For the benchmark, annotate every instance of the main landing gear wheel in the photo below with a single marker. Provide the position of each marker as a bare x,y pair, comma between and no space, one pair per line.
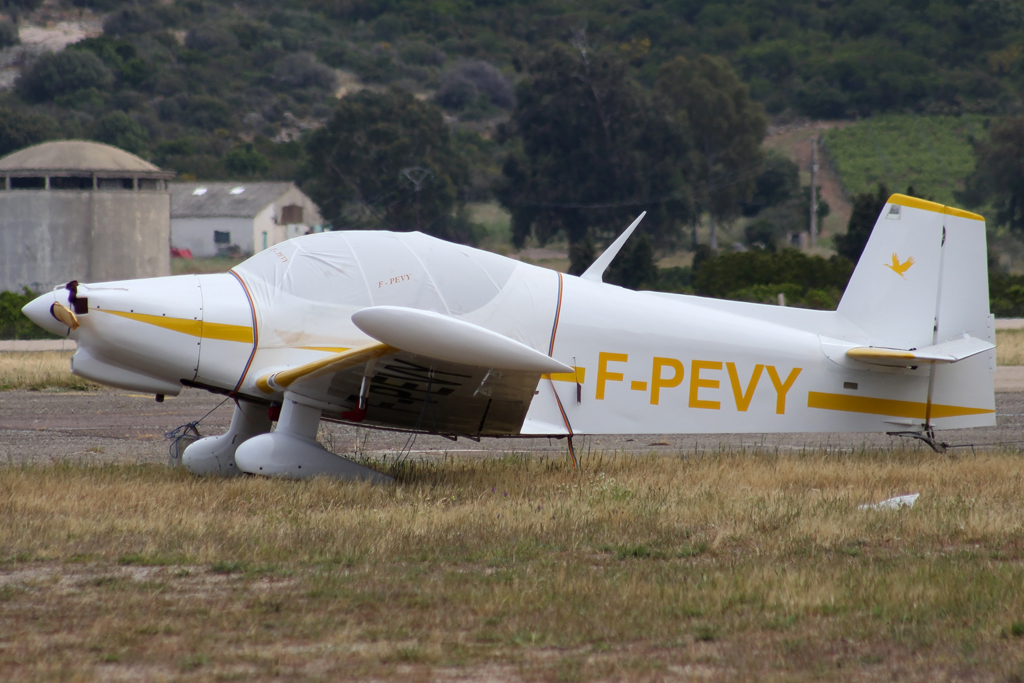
291,451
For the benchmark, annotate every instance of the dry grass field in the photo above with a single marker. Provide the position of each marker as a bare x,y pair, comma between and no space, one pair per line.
719,566
1010,347
42,370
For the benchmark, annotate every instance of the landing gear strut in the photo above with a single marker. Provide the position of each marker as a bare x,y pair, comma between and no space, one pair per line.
928,436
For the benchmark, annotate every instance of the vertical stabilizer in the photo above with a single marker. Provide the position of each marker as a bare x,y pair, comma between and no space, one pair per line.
921,281
894,289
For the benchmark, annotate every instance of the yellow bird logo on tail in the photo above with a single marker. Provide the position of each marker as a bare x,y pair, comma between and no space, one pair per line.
897,267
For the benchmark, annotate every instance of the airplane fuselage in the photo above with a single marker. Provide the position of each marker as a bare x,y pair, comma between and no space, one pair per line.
644,362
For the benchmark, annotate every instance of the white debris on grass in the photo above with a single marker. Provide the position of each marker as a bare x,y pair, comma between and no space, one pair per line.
892,503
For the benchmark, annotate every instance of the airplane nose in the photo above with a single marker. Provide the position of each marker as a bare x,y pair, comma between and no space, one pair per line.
38,311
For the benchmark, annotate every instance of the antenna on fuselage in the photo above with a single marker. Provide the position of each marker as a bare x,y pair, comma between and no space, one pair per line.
596,270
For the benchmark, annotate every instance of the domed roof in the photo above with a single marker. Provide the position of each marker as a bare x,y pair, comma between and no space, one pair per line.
78,156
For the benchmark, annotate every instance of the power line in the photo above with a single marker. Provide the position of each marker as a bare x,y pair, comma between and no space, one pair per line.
733,178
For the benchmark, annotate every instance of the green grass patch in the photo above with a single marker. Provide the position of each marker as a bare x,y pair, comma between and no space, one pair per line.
200,266
930,153
150,560
494,224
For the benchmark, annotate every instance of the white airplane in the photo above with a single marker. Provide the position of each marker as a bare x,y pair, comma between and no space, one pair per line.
404,331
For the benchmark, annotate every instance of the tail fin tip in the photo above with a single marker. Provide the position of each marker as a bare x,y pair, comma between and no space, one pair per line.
917,203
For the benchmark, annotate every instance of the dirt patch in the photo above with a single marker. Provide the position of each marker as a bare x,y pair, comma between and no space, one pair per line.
54,36
44,31
115,426
795,142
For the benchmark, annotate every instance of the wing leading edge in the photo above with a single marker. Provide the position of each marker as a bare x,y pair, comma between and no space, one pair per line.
282,379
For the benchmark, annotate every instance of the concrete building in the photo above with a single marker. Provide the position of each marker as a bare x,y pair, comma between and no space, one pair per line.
237,218
75,210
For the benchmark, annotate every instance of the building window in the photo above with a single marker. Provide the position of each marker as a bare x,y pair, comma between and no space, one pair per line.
71,183
28,183
114,183
149,184
221,237
291,214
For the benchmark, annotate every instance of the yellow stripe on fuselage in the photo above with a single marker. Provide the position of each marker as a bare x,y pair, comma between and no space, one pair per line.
194,328
225,332
887,406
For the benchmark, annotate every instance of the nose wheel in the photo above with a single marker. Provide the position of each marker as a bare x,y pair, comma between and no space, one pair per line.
215,455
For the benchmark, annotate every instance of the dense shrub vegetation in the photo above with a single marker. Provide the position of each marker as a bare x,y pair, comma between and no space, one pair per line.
574,115
203,72
14,325
1006,294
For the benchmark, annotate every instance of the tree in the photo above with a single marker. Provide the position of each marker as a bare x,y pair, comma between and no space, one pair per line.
245,160
778,182
120,56
130,20
301,70
474,82
120,130
212,38
866,208
773,226
999,174
14,8
63,73
8,34
634,266
13,323
727,129
20,129
385,160
595,151
759,276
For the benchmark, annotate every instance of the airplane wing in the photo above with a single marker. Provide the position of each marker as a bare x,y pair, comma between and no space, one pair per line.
280,380
426,371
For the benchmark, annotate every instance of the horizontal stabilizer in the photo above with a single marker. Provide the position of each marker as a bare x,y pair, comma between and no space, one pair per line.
438,336
947,352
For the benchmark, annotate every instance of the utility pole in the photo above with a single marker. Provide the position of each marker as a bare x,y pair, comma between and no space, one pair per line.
814,192
417,176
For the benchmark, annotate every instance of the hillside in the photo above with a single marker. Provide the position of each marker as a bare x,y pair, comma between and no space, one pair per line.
211,88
